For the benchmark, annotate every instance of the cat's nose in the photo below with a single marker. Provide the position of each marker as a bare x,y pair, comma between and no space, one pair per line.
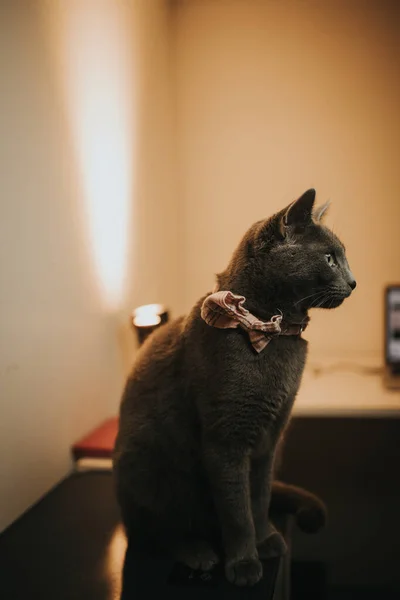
353,284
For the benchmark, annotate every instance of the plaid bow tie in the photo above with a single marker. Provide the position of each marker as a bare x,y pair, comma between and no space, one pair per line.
225,310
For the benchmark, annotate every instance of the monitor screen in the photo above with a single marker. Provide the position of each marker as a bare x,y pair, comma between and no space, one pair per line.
393,324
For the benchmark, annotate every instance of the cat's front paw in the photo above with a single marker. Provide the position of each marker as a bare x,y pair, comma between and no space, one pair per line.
245,571
264,529
274,546
197,555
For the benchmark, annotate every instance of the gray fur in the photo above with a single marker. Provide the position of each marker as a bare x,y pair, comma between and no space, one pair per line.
202,412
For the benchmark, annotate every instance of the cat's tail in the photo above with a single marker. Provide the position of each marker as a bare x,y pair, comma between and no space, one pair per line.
309,510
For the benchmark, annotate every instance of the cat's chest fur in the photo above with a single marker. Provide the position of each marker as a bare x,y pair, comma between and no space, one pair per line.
249,395
273,374
280,367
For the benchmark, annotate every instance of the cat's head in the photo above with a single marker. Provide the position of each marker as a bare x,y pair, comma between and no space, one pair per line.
291,259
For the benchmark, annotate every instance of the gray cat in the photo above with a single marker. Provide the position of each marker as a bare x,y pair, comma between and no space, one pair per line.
210,395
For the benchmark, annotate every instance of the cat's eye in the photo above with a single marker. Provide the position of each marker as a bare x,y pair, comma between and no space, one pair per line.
331,260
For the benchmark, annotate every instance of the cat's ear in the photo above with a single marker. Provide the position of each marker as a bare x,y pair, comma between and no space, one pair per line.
299,214
319,213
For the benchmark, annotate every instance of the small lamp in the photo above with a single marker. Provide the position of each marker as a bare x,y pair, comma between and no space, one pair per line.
146,318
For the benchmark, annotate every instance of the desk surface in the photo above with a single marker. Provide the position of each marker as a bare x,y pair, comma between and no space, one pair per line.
70,546
343,392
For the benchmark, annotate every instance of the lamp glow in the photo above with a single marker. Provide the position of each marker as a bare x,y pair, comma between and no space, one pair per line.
97,67
147,318
147,315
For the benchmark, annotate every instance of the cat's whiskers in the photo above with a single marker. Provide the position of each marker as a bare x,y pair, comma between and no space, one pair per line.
331,302
307,297
325,298
319,297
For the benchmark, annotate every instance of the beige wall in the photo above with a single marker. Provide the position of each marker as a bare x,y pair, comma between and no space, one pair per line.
60,359
273,98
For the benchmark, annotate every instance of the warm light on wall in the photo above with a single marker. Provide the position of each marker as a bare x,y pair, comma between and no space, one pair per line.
96,57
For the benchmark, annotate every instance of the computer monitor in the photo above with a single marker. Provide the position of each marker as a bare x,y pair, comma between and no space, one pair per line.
392,328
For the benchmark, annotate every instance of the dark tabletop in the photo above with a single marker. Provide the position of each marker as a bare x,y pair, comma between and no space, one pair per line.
70,546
